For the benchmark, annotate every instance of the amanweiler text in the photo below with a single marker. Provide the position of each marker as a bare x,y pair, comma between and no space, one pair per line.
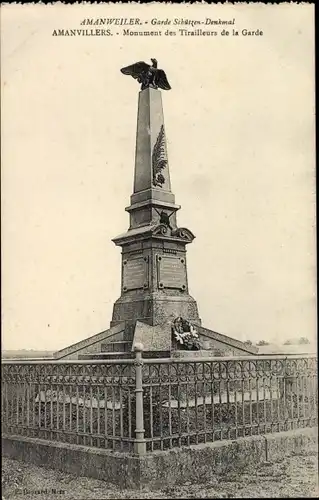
129,21
107,26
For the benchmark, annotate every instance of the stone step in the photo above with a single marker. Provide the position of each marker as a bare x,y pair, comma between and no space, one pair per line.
117,346
124,355
107,355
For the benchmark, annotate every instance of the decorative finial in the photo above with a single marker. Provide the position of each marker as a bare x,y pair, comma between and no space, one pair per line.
148,75
138,347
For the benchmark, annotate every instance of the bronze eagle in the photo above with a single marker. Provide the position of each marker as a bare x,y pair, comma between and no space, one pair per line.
148,75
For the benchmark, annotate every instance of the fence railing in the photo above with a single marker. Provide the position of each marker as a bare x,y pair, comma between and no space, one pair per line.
140,405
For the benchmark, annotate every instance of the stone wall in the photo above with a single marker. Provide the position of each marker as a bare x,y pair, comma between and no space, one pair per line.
91,344
195,463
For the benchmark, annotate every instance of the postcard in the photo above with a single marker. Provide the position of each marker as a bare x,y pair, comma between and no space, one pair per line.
158,202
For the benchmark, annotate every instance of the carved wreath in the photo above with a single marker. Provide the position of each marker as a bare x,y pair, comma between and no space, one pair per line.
159,159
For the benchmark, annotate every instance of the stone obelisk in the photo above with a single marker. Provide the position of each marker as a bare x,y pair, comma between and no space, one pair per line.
154,286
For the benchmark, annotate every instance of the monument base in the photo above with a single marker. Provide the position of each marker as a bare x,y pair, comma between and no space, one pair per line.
155,309
158,342
201,353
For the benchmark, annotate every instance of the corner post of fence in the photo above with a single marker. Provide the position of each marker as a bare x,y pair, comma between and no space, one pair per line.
139,442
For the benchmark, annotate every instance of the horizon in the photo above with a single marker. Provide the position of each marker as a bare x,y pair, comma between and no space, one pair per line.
294,342
271,343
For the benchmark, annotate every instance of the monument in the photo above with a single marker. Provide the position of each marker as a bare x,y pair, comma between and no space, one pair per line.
155,307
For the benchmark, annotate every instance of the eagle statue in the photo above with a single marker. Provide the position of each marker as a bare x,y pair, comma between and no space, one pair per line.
147,75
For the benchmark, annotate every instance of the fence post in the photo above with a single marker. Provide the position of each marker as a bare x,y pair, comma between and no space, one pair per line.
139,443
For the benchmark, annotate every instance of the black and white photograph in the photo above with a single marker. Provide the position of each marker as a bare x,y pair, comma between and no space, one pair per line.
158,251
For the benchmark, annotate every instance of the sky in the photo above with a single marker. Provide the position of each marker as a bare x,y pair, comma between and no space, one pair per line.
240,129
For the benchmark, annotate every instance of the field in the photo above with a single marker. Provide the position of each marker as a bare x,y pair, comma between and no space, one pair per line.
25,353
293,477
268,349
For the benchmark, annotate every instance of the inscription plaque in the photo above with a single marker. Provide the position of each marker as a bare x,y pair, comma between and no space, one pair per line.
171,272
135,273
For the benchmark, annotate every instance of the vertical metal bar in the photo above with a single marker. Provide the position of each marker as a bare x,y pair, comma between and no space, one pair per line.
236,407
91,414
196,402
228,400
303,400
40,404
170,406
272,417
179,413
139,445
257,402
98,416
70,411
204,404
77,413
121,416
285,402
220,404
250,406
33,395
298,401
292,402
23,404
187,411
57,408
51,412
63,408
264,398
151,410
304,413
28,404
84,415
105,415
45,407
279,400
12,403
308,398
113,411
129,409
309,384
160,407
10,407
243,398
313,402
212,402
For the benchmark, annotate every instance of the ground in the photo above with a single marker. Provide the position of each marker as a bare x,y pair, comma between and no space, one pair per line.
294,477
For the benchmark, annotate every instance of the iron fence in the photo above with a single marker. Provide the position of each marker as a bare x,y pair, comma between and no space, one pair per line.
196,401
82,403
140,405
